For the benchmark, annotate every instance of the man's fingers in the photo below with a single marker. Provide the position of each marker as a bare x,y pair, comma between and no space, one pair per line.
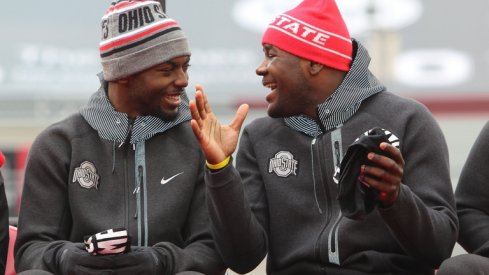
193,110
379,173
207,106
205,103
199,100
195,114
239,117
196,129
394,152
386,163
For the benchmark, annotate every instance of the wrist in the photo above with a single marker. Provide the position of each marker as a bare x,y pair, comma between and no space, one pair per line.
219,165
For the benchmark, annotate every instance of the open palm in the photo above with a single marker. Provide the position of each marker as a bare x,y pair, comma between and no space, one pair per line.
216,140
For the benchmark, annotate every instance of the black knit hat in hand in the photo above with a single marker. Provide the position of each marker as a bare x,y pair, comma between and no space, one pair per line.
355,198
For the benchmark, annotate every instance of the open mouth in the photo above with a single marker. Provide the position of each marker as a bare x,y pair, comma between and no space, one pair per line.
173,98
271,86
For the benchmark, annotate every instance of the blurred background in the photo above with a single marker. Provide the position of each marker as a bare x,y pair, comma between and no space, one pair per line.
435,51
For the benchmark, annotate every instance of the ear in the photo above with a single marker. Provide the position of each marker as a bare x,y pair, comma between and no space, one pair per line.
315,68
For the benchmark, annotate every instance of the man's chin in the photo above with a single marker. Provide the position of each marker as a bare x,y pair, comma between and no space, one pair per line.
274,113
169,116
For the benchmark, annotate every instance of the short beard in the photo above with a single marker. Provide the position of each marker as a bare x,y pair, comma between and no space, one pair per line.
168,117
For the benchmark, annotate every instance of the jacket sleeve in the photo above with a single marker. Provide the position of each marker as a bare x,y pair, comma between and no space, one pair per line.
472,197
424,219
44,214
200,253
238,210
4,231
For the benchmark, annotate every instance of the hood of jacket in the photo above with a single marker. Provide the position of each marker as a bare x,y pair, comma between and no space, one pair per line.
358,85
115,126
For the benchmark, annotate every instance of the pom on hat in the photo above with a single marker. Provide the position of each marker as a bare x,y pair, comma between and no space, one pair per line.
2,159
137,35
313,30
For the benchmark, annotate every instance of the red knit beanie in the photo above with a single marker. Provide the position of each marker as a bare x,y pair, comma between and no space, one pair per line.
2,159
313,30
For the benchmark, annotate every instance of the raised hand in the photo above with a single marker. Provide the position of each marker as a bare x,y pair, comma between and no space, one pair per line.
387,176
216,140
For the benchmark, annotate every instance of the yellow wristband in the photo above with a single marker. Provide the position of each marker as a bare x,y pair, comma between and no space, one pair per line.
218,166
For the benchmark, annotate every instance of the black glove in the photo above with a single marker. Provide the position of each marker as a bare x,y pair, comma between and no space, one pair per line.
74,259
140,260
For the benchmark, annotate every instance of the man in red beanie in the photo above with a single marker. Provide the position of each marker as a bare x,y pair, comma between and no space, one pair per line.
281,199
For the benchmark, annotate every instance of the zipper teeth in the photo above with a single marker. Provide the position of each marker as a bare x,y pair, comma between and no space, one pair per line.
138,204
141,196
334,232
333,252
126,183
333,246
145,209
314,177
328,216
141,188
126,174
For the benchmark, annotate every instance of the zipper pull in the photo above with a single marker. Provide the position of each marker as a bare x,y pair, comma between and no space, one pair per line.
337,169
139,179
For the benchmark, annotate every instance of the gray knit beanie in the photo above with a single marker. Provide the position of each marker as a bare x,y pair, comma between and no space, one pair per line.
137,35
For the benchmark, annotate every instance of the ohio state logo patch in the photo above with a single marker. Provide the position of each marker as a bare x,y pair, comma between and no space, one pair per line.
86,175
283,164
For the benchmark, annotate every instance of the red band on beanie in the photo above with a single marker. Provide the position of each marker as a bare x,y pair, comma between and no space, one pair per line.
2,159
313,30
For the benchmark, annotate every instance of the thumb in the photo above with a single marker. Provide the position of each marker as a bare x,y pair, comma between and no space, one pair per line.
239,117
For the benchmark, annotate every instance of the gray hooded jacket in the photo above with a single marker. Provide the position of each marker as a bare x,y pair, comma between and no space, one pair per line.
282,199
97,170
472,197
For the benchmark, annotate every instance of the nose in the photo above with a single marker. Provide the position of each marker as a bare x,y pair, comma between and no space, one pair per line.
182,78
261,70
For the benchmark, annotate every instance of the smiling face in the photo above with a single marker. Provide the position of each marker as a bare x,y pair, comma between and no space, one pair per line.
157,90
286,75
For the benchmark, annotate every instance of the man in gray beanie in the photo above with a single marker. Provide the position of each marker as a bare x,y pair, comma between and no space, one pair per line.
118,187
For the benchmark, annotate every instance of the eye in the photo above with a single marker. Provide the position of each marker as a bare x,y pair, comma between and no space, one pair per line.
270,55
166,69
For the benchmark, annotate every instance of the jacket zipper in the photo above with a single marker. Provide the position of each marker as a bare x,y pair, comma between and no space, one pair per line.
314,176
126,175
137,215
328,200
333,253
141,194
